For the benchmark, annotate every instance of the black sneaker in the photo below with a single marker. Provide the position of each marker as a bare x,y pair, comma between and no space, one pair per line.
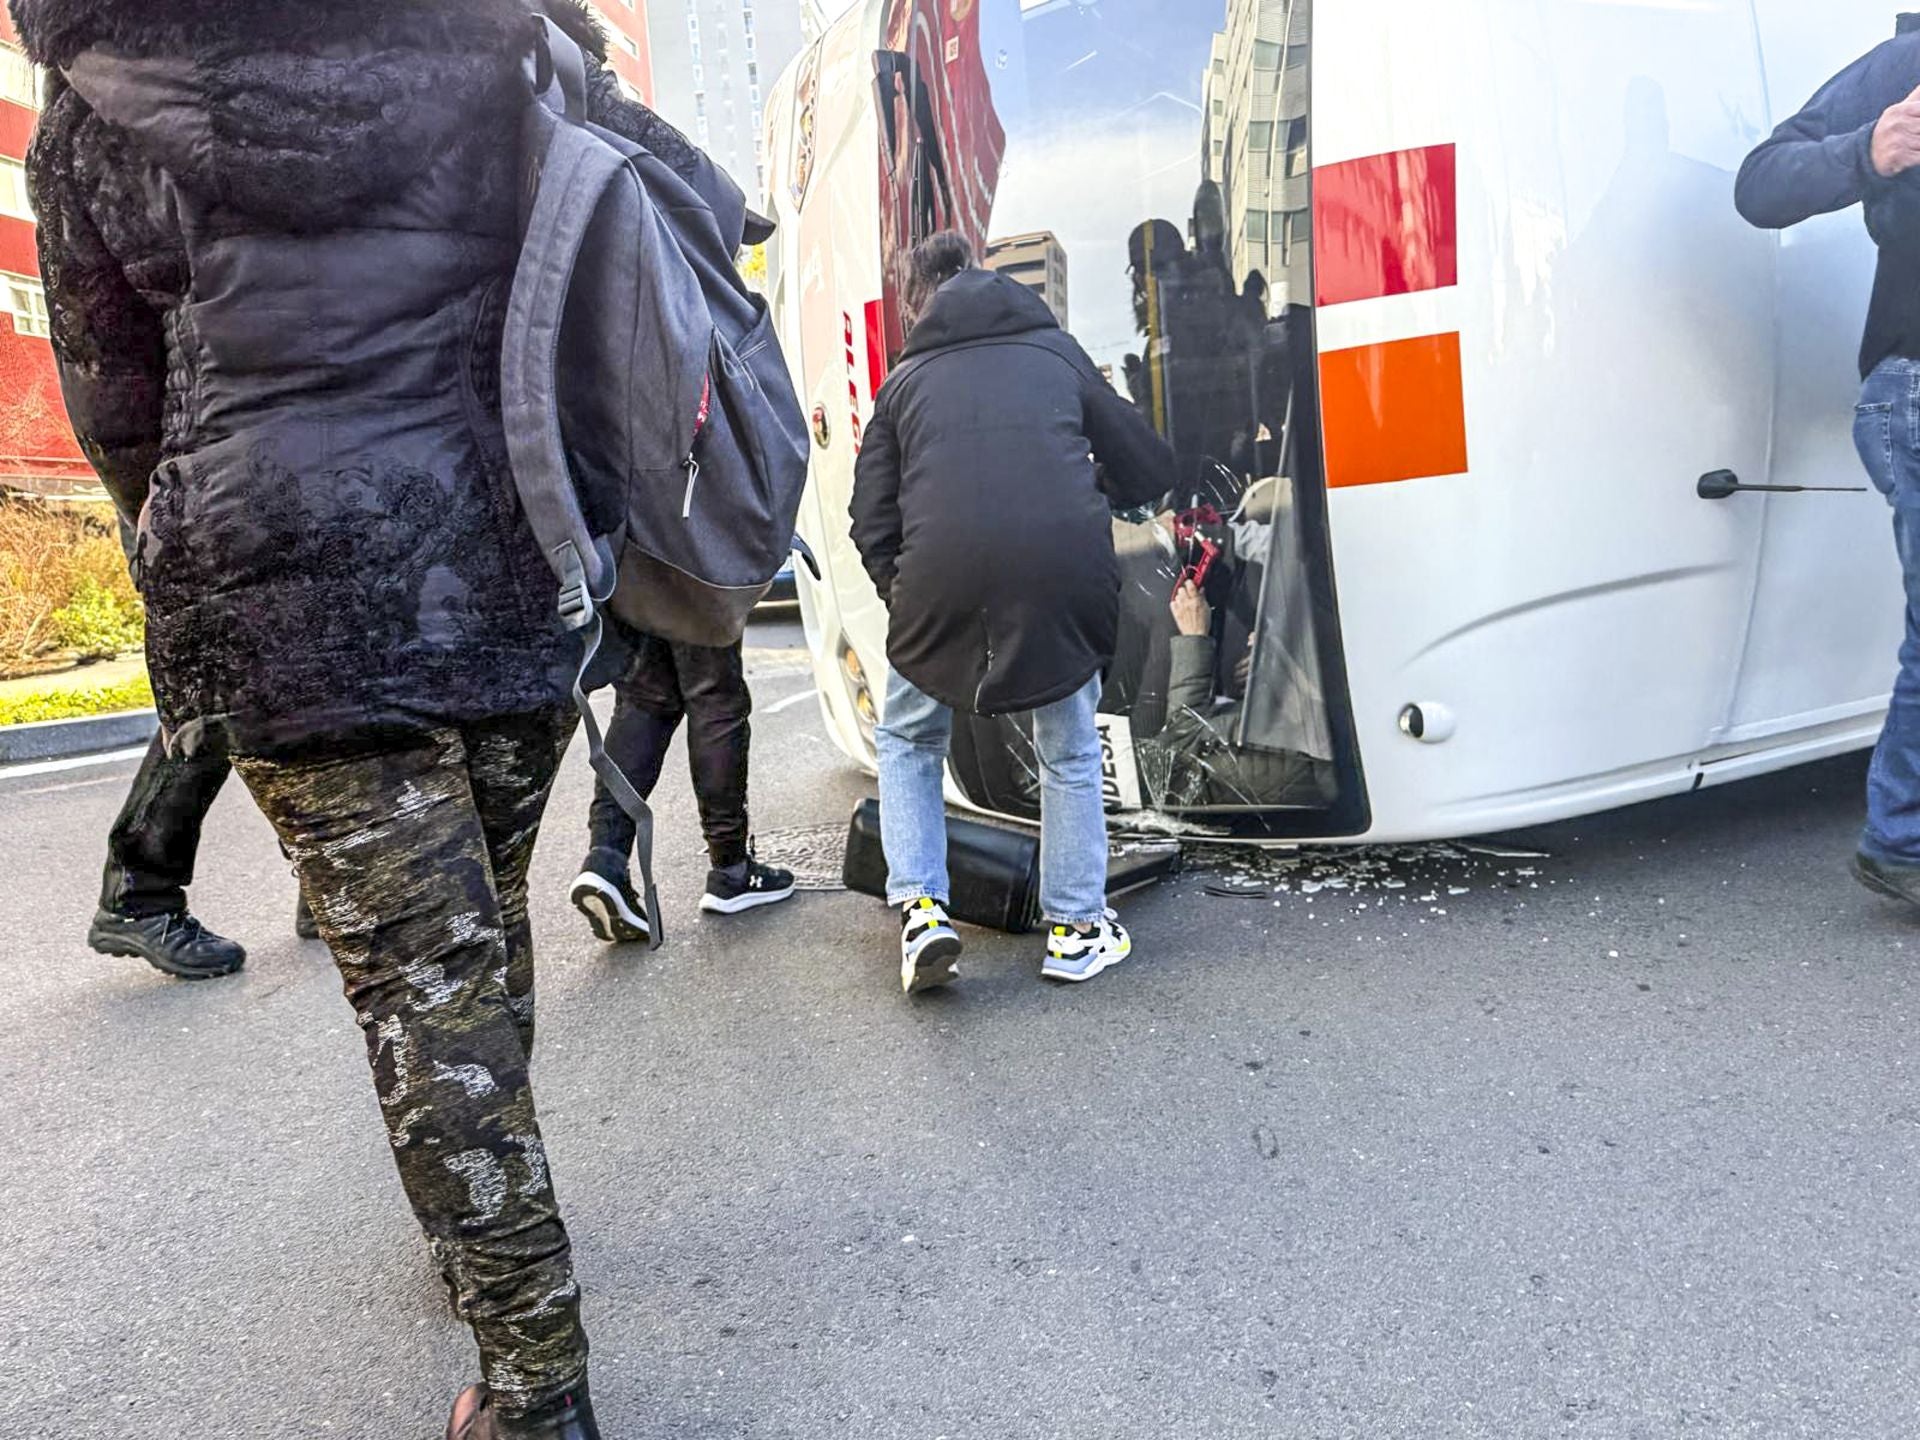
176,944
746,886
1888,878
617,915
303,922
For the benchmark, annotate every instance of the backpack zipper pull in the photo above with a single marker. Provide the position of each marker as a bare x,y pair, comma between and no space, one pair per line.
699,429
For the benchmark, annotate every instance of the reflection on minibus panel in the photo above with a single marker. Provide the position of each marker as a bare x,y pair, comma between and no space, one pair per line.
1445,312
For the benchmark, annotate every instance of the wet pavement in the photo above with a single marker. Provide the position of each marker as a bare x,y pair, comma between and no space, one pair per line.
1617,1136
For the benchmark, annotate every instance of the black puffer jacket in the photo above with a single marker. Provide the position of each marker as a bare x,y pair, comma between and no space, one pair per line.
277,240
977,508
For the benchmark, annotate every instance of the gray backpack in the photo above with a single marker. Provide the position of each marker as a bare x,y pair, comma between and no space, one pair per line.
655,438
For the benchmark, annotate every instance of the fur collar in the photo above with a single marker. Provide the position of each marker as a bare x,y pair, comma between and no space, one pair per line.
54,31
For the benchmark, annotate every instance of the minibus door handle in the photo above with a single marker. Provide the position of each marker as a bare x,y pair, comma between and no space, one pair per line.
1724,485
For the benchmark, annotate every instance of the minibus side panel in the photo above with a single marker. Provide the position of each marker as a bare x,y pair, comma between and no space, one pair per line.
1540,571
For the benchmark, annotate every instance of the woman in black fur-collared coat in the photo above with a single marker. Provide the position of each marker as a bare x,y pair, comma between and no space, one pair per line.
277,240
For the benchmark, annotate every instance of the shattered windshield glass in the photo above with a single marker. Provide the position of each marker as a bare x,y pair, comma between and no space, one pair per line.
1143,165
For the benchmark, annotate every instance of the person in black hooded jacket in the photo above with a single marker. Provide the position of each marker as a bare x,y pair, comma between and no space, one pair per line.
987,527
277,240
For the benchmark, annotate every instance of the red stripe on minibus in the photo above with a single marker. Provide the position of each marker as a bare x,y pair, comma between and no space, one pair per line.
876,348
1394,412
1386,225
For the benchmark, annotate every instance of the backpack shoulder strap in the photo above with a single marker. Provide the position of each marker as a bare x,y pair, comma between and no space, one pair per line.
559,71
574,174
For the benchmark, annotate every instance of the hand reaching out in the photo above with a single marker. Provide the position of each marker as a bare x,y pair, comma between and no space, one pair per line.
1191,613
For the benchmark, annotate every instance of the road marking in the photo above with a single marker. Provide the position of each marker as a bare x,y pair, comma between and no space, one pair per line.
791,701
62,789
77,762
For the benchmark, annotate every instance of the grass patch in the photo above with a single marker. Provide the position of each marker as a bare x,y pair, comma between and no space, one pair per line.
35,706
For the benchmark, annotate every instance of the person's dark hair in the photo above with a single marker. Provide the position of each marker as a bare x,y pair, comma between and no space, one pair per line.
930,264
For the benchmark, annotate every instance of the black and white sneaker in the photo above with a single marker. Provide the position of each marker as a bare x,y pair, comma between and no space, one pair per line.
617,915
929,947
746,886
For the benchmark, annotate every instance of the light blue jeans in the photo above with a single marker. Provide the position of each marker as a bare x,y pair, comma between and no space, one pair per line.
913,736
1886,430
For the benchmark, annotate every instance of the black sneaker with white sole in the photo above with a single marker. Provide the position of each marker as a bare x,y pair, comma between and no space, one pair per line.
746,886
617,915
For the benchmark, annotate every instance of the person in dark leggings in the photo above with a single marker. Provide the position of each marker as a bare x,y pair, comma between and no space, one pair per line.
665,684
151,853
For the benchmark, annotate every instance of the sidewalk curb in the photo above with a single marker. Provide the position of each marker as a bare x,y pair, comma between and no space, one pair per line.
62,739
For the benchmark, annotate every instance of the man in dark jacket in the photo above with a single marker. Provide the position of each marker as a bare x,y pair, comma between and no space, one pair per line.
278,240
981,516
1857,141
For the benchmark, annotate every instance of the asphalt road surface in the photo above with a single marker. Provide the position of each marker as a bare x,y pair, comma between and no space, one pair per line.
1623,1142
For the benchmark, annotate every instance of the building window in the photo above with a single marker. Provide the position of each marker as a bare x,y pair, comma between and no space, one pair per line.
27,300
1298,232
1257,226
1266,55
13,190
1296,148
19,78
619,37
1260,135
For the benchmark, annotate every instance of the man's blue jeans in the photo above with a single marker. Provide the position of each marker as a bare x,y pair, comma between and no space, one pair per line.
1886,429
914,732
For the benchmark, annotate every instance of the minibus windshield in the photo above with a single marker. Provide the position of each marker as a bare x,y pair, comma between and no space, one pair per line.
1144,166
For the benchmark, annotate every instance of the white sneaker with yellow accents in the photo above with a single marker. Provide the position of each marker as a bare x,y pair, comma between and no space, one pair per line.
1075,955
929,946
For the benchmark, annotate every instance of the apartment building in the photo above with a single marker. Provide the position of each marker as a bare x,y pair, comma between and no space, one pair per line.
714,61
631,49
1037,261
1256,140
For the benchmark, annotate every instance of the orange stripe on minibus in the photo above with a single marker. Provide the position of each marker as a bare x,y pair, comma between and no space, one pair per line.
1394,412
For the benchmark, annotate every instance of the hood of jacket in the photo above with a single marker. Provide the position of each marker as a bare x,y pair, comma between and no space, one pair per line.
296,113
978,305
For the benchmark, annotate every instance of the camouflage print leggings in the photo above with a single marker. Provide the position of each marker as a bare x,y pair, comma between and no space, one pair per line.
414,858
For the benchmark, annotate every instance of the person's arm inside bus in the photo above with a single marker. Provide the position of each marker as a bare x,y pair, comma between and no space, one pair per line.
1139,467
108,345
876,503
1861,130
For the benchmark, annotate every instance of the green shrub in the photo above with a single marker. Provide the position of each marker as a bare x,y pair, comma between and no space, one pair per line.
134,694
48,553
95,623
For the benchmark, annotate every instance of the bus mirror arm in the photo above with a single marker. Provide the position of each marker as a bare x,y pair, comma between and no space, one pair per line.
1724,485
